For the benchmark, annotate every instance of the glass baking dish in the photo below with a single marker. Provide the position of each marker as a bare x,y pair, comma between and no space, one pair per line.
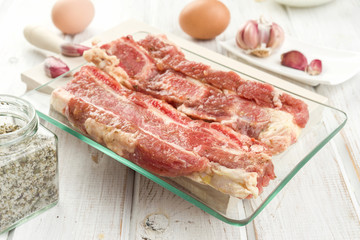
324,123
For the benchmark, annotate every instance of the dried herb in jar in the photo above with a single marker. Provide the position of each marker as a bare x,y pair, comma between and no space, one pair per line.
28,169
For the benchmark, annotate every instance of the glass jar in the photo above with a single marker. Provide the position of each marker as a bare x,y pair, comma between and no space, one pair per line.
28,164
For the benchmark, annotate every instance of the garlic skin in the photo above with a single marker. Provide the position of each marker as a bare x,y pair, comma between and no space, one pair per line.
260,37
314,68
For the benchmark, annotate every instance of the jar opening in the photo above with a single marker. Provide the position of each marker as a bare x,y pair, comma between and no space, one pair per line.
18,119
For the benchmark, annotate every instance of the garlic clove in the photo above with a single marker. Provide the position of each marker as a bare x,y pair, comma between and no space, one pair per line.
277,36
55,67
73,49
315,67
264,28
251,36
294,59
239,40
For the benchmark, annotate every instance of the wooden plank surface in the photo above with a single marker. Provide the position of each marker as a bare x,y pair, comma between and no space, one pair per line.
159,214
97,200
328,194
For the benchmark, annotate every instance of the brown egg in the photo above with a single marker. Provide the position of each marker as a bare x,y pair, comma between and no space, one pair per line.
204,19
72,16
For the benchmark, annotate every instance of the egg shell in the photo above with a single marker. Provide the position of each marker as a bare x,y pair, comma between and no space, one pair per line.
72,16
204,19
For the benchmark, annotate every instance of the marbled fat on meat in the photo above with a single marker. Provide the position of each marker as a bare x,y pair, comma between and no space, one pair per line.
154,135
198,100
170,56
125,138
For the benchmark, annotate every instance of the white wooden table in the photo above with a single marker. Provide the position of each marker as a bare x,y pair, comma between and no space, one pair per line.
102,199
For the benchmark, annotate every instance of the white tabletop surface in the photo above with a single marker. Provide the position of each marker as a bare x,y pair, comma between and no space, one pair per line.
102,199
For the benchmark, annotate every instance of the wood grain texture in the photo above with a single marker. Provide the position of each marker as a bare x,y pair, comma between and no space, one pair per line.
311,214
318,203
160,214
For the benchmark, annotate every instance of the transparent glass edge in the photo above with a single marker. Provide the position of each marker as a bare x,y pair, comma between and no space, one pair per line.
178,192
298,167
140,170
185,196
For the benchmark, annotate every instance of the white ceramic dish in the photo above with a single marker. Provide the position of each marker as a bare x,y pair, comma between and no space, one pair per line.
303,3
338,65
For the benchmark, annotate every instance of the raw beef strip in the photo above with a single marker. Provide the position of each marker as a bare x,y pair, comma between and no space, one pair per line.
169,55
131,142
273,127
159,138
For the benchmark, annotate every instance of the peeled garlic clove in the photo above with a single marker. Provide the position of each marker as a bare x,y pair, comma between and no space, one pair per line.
55,67
73,49
315,67
294,59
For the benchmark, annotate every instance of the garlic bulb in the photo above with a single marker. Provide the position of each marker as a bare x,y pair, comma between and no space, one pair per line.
260,37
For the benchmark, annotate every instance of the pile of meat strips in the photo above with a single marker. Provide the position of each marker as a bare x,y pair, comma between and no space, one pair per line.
174,117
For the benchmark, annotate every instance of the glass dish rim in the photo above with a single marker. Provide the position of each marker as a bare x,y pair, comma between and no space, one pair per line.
173,189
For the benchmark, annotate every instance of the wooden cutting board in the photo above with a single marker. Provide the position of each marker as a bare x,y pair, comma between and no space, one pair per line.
35,76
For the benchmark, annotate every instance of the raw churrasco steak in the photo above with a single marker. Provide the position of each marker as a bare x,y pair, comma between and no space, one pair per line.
168,55
159,138
276,128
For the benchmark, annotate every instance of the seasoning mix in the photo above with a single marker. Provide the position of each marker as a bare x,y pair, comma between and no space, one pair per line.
28,163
